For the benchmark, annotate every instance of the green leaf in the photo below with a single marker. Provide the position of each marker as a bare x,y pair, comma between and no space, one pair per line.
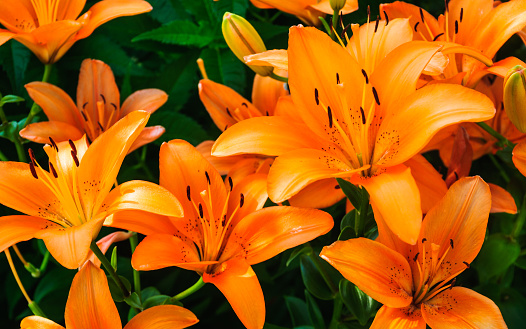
133,300
222,66
353,193
520,262
114,258
200,9
55,280
497,254
357,302
116,292
299,313
10,99
179,126
298,252
182,33
314,311
512,305
314,280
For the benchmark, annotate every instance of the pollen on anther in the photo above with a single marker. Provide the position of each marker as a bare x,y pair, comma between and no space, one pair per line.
201,214
103,98
337,78
74,156
424,240
33,171
363,115
230,183
451,243
365,76
438,36
377,22
386,18
456,27
329,112
416,26
416,256
461,14
467,264
375,94
241,200
53,171
188,193
207,177
316,96
422,15
72,145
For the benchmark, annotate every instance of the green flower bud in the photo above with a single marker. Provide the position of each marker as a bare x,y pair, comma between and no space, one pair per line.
337,5
515,97
243,40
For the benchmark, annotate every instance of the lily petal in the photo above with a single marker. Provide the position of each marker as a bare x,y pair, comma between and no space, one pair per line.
519,157
148,100
140,221
40,132
254,190
264,234
104,11
295,170
278,58
240,285
377,270
70,246
147,135
104,158
400,9
89,304
163,317
395,195
399,318
145,196
37,322
459,308
55,102
266,92
18,228
163,250
320,194
221,164
270,136
501,200
459,220
428,110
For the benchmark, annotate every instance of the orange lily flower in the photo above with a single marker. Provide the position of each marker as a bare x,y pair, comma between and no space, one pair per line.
224,231
416,283
308,11
66,206
50,28
482,25
90,306
98,107
357,125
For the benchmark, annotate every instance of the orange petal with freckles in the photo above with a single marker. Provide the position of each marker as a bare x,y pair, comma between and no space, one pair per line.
56,104
19,190
40,132
240,285
248,166
266,135
103,159
459,219
459,308
501,200
225,106
294,170
148,100
145,196
278,58
37,322
377,270
254,190
320,194
265,233
163,317
429,181
266,92
140,221
147,135
181,165
11,12
18,228
104,11
163,250
519,157
429,109
400,9
396,318
70,245
221,164
89,302
395,195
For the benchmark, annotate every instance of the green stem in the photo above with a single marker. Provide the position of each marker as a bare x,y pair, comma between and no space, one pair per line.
279,78
2,115
134,241
35,109
502,140
109,268
198,285
33,306
336,312
521,217
3,157
499,167
20,150
335,18
324,274
45,261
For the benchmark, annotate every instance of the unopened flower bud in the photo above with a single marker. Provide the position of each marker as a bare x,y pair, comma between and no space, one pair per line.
337,5
243,40
515,97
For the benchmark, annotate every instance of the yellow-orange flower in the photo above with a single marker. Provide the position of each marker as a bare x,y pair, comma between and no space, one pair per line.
356,124
98,107
66,206
224,230
90,306
50,27
416,283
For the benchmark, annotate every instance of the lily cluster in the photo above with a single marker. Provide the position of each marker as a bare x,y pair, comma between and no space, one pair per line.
342,114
